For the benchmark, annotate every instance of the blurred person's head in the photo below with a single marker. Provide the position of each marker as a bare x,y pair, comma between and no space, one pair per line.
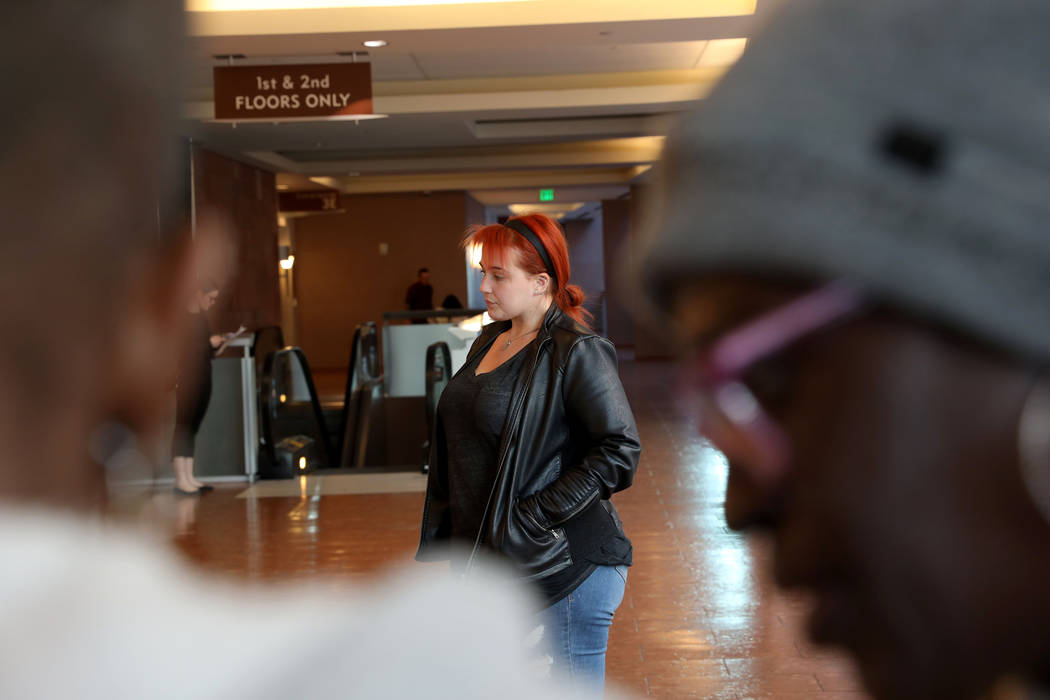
851,231
423,275
94,287
205,297
516,277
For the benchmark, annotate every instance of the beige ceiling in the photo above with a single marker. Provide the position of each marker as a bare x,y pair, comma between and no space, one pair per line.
499,98
254,17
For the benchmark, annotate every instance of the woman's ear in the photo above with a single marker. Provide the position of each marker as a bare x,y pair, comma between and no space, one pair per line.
543,283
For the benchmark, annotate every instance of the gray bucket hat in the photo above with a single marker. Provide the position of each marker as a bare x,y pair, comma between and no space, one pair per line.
902,144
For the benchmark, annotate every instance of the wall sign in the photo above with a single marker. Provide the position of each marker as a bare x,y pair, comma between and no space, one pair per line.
311,91
310,200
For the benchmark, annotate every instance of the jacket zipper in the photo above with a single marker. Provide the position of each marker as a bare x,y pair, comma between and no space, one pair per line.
551,530
502,463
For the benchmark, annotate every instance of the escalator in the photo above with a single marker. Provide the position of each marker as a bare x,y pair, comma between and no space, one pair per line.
297,432
357,438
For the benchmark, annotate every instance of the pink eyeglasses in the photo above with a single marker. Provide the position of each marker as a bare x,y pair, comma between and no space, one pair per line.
730,415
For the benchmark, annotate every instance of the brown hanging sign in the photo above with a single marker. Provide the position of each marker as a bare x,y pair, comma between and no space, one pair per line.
316,91
310,200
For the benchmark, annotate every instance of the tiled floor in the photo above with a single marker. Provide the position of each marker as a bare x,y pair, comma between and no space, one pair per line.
700,617
330,484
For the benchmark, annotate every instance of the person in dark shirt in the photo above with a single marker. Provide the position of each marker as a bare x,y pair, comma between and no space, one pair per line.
864,283
532,483
193,391
99,266
420,295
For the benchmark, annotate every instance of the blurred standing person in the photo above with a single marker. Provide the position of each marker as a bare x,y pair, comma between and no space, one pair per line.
88,607
193,390
451,301
534,435
420,294
866,280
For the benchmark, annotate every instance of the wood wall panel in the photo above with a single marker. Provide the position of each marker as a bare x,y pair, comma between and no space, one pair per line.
616,231
648,345
343,280
248,196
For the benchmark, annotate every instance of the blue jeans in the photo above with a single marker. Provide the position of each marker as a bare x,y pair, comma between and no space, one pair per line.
576,628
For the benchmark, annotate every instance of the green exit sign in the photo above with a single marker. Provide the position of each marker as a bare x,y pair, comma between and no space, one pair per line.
546,195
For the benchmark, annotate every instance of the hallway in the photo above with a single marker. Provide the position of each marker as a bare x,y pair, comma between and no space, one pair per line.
700,617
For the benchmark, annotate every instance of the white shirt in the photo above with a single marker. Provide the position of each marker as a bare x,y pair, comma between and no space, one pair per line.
88,611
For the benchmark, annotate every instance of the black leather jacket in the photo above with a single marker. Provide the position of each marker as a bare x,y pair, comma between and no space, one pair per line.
569,442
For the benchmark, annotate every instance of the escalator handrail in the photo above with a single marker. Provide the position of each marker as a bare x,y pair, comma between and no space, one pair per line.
356,379
435,350
270,402
438,357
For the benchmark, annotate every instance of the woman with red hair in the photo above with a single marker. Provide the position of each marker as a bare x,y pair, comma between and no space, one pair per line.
534,434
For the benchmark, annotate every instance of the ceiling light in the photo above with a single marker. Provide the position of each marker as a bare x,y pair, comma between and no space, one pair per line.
558,208
722,52
374,43
244,5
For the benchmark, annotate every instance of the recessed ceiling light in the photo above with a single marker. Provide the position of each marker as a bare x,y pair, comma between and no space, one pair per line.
555,210
722,52
243,5
374,43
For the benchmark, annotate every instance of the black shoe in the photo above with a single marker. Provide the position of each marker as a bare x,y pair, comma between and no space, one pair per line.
205,487
180,492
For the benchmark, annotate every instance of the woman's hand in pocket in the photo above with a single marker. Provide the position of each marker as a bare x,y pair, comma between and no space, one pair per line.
532,519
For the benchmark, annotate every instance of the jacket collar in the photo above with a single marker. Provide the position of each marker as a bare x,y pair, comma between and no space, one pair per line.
551,319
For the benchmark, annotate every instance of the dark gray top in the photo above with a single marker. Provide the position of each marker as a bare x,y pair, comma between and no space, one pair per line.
472,410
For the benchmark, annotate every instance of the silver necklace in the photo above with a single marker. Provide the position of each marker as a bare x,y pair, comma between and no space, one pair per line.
507,344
